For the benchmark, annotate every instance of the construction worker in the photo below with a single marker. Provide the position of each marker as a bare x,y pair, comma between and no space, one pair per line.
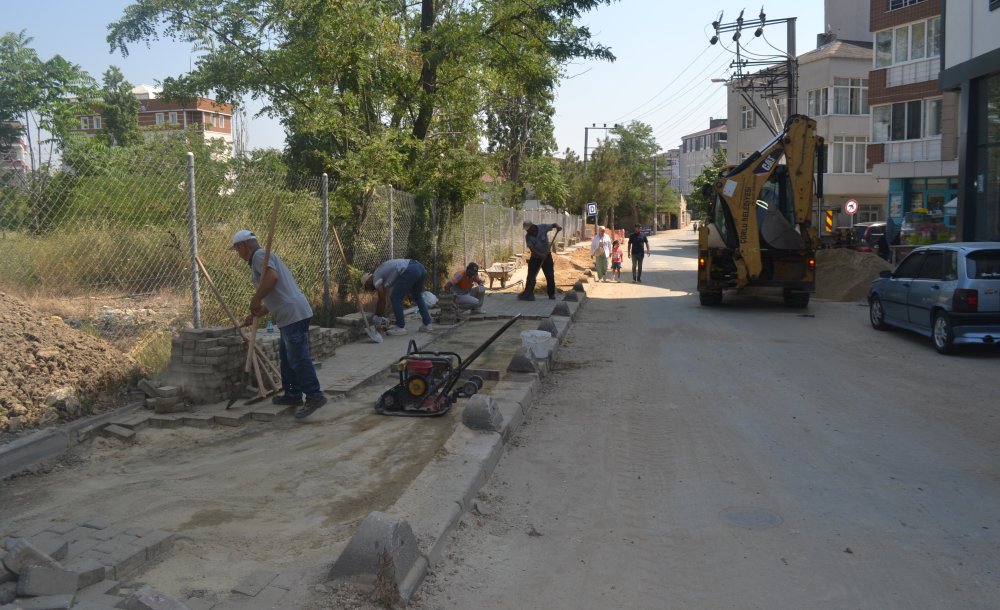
468,288
536,237
278,294
395,278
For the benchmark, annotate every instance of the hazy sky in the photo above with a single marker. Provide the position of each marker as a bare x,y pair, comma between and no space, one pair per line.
661,76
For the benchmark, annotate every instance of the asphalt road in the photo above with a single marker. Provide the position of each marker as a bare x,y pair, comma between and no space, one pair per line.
747,456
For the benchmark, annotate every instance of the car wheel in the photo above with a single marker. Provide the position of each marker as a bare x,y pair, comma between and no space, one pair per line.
944,338
710,298
876,314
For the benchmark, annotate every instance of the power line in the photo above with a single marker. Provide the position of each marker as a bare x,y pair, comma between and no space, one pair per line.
667,86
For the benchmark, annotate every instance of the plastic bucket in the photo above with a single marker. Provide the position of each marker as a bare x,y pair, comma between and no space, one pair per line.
534,340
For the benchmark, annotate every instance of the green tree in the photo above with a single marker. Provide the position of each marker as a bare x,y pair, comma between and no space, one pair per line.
703,186
119,109
380,91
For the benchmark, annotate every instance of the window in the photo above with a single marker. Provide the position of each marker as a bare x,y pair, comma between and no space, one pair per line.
159,118
817,101
173,118
748,118
222,120
898,4
97,122
909,42
910,265
932,112
933,267
85,122
850,96
912,120
849,155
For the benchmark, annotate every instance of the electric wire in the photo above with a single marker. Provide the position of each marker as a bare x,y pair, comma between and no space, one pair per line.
667,86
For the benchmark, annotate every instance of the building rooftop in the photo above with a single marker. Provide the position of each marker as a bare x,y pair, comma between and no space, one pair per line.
719,129
841,49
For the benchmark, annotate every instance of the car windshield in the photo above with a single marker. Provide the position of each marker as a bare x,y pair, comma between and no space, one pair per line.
859,233
983,265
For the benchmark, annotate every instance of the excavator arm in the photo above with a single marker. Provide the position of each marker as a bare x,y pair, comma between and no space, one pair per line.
763,202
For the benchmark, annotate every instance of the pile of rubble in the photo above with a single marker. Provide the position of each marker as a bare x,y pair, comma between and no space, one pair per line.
49,370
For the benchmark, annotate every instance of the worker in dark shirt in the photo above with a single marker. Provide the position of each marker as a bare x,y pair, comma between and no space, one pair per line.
636,253
536,238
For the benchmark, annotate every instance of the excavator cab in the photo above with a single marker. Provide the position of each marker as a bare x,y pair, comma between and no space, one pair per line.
759,231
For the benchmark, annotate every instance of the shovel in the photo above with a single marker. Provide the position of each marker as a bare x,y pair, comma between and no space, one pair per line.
373,334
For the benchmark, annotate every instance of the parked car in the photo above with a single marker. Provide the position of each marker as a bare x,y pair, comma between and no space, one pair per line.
948,292
867,234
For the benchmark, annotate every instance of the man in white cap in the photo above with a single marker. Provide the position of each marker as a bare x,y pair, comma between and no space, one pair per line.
278,294
536,237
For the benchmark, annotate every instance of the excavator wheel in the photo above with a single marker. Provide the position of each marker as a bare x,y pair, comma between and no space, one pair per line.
710,299
796,299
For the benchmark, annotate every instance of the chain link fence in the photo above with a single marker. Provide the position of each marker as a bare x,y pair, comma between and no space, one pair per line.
109,246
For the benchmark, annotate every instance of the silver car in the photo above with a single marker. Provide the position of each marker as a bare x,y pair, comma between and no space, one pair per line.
948,292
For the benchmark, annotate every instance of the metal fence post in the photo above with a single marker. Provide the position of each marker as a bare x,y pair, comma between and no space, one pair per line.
193,238
465,240
392,229
434,242
325,195
486,262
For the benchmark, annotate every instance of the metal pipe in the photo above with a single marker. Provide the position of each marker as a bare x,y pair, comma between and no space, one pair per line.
193,239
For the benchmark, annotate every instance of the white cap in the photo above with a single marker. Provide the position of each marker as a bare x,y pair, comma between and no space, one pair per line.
365,278
241,236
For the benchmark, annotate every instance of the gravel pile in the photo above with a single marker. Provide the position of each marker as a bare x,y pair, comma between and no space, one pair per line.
49,371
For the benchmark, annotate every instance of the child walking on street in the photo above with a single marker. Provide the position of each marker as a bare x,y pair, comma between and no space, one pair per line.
616,260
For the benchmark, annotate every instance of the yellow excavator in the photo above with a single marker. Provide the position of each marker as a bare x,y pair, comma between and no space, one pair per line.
759,231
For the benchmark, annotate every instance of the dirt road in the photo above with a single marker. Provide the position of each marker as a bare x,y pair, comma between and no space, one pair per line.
748,456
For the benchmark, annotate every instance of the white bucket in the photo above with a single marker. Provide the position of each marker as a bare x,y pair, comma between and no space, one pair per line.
534,340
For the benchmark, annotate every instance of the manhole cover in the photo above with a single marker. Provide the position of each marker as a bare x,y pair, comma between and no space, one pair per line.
752,518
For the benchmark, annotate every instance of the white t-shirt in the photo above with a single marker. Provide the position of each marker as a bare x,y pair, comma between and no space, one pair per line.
602,243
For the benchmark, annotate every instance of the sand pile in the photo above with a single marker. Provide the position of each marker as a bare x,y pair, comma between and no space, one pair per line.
843,274
48,370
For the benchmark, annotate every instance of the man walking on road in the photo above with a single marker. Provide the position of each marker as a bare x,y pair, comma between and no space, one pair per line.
600,248
536,238
635,252
278,294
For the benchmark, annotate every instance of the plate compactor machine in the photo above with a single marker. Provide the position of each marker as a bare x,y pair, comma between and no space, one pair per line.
429,381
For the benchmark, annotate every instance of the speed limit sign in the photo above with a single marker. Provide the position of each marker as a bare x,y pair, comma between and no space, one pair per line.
851,207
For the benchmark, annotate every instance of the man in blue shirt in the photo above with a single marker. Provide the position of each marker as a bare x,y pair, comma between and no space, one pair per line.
536,237
635,252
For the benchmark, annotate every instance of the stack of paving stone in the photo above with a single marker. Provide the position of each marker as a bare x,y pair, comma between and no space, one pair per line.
449,312
208,362
323,343
62,564
163,398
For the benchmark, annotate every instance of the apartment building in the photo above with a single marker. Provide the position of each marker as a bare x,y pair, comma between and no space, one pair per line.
971,69
214,120
914,128
14,157
697,150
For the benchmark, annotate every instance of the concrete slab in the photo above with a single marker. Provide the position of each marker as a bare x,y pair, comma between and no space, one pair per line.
25,452
37,581
47,602
255,583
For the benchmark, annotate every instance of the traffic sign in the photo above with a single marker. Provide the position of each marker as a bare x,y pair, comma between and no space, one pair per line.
851,207
592,209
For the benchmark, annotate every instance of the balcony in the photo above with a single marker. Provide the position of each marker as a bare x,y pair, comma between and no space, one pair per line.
913,72
913,150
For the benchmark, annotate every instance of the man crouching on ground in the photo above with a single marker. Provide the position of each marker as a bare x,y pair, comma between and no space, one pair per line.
278,294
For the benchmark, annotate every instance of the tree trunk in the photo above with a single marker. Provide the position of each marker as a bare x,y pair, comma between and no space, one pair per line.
428,71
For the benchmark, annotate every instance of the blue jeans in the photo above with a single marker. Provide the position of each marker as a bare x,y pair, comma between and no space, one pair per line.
298,375
410,281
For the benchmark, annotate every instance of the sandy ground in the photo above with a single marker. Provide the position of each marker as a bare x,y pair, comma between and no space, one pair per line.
746,456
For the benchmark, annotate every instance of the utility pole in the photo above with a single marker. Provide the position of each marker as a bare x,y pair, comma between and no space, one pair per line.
655,186
769,81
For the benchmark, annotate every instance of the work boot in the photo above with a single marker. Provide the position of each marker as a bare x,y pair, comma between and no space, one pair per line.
312,403
552,297
286,399
526,296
